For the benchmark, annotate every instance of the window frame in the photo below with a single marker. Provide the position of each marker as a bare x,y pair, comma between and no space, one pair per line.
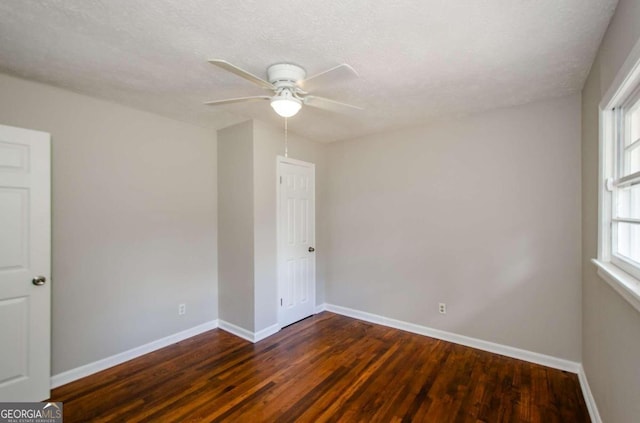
621,273
619,135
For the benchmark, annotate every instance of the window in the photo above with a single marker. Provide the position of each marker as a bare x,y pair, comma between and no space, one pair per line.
624,185
619,217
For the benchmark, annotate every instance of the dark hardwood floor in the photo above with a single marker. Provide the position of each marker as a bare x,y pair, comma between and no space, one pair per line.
325,368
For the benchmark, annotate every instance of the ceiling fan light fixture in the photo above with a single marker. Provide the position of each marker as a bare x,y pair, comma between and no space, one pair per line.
286,107
285,104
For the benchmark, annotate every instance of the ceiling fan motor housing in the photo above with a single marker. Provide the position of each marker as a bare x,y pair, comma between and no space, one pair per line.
285,74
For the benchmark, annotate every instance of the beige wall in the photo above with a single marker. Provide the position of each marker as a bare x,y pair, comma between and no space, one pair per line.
235,223
611,326
134,221
481,213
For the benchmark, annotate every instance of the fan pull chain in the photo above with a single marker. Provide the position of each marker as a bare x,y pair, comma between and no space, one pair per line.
286,145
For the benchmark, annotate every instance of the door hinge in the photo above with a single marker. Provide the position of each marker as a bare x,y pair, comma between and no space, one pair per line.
280,302
281,179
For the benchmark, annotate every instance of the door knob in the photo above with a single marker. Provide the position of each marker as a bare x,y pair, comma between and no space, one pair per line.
311,249
39,280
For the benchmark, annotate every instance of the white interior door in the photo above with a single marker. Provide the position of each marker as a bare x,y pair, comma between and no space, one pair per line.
25,251
296,240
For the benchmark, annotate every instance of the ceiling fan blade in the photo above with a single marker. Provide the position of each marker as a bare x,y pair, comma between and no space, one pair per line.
328,104
238,100
343,71
242,73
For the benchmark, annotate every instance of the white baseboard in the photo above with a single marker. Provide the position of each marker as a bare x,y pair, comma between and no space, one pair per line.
247,334
235,330
266,332
588,396
530,356
97,366
320,308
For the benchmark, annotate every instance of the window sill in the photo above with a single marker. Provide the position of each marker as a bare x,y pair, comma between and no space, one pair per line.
622,282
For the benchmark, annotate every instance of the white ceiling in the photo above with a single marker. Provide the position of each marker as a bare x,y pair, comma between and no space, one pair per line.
417,59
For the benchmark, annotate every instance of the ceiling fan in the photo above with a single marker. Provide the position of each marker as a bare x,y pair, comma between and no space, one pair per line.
289,85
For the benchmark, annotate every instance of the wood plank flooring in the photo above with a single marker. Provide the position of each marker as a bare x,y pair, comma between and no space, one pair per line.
326,368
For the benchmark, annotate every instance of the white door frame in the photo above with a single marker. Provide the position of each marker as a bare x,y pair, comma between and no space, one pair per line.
287,160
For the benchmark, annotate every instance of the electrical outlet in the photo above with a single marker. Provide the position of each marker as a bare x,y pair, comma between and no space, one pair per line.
442,308
182,309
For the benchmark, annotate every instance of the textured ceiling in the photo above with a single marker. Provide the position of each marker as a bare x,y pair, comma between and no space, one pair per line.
417,59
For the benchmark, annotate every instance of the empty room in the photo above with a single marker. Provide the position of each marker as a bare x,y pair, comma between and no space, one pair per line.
320,211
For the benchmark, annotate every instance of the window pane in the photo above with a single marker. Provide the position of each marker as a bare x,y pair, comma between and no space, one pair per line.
629,202
633,119
632,160
629,142
629,241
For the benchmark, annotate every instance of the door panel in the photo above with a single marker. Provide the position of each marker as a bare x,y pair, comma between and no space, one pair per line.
13,365
296,264
25,250
14,203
